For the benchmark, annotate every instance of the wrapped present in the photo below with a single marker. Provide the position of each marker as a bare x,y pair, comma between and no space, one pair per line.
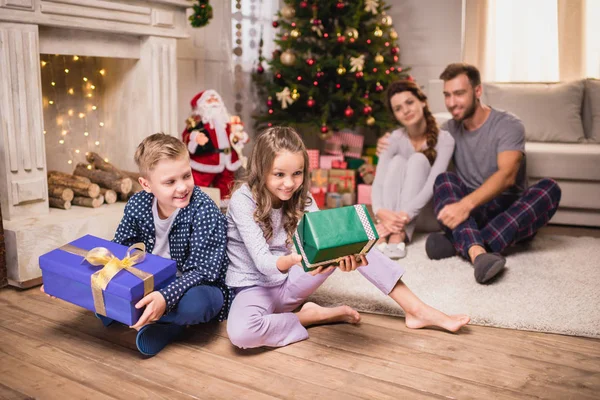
368,159
348,199
332,187
319,245
333,145
333,200
367,173
325,161
352,144
354,163
339,164
364,194
319,178
104,276
319,195
371,150
344,179
313,159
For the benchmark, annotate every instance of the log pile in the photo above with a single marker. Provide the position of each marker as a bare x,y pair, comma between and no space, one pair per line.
91,185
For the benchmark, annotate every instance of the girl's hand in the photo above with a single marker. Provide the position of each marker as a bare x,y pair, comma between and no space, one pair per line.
155,308
350,263
383,143
43,291
321,270
284,263
391,220
404,217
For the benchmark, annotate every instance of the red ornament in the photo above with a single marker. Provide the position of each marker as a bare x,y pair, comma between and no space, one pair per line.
285,37
299,78
368,41
310,61
320,74
399,69
275,24
270,111
396,58
349,112
379,87
394,50
340,5
270,124
315,83
366,96
303,4
276,53
293,24
387,71
387,44
337,86
326,35
278,75
310,102
324,128
270,102
342,38
392,68
316,21
359,74
410,78
260,69
374,69
367,110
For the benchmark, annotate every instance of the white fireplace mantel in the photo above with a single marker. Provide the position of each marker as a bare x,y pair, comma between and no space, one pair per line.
144,30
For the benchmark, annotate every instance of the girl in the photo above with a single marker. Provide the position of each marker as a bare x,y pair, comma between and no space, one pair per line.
415,155
269,285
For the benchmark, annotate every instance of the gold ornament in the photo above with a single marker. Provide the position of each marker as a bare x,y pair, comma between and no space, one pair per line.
351,33
341,70
288,12
393,34
378,59
295,94
370,121
287,58
295,33
386,20
378,32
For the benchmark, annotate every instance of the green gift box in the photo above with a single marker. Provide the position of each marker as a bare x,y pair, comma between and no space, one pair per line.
354,163
324,237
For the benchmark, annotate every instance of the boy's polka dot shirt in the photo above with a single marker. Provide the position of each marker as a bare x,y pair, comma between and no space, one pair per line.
197,242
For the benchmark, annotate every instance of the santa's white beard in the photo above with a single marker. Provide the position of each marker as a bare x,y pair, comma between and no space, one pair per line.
217,117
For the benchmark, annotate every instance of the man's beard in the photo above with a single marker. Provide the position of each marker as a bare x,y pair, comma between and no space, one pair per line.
470,111
213,114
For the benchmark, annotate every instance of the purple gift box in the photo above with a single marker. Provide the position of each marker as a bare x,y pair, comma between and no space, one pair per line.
68,277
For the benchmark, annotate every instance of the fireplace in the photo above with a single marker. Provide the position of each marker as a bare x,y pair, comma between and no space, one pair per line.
128,49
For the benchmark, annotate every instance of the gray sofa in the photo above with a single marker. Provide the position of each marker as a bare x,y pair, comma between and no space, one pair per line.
562,129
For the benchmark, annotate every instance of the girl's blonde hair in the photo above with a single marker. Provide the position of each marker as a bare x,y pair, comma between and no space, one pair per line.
268,144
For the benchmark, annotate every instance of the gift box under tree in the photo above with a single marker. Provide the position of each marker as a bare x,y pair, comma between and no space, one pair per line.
319,178
345,179
319,245
105,277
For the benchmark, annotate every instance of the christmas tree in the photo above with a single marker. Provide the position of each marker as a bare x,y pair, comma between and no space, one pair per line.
334,62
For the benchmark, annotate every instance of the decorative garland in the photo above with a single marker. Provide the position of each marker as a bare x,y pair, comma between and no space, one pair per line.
203,12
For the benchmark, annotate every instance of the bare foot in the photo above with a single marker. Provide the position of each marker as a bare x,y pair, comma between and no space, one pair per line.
313,314
429,316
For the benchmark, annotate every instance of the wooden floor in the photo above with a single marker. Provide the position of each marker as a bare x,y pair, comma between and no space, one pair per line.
51,349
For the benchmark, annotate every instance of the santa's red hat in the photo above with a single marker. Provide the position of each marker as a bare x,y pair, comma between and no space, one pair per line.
194,102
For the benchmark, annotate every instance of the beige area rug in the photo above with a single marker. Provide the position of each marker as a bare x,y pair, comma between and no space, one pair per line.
551,284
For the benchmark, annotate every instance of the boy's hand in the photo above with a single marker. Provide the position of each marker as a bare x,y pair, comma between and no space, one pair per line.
43,291
284,263
155,308
350,263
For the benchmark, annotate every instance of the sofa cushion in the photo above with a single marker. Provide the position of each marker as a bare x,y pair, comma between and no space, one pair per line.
591,110
550,112
577,161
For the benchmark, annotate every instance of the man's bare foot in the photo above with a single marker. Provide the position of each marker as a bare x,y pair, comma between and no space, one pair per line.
313,314
429,316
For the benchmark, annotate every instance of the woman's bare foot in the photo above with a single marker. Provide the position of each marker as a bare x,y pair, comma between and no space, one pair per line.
429,316
313,314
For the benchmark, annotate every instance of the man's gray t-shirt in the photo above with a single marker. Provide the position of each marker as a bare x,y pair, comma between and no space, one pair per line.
476,152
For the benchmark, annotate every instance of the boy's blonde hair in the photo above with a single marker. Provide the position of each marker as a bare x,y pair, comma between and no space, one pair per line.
158,147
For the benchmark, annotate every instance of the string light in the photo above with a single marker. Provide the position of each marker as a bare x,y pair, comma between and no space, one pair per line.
102,72
86,134
70,112
106,160
93,87
53,83
44,63
44,132
64,132
94,107
75,58
84,79
51,102
101,124
66,70
61,141
88,95
81,115
71,91
77,151
97,143
70,162
89,166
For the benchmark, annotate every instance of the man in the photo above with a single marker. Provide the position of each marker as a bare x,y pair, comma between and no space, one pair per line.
214,140
486,205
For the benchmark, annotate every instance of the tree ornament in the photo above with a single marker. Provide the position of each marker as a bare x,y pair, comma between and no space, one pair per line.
295,33
275,24
317,26
295,94
367,109
341,70
394,50
324,128
379,87
337,85
315,83
340,5
303,4
276,54
359,74
352,33
288,58
299,78
378,58
357,63
366,95
396,58
320,74
310,61
370,121
349,112
260,69
386,20
285,98
371,6
310,102
393,34
378,32
271,111
203,12
288,12
341,38
278,75
269,101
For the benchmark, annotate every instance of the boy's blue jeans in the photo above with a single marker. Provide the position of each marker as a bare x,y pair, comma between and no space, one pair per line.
198,305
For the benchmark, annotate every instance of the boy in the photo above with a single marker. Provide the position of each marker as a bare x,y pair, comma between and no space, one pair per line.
175,220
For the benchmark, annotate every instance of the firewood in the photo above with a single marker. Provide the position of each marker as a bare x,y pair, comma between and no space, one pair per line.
77,186
136,187
99,163
88,201
59,203
60,192
110,196
105,179
68,176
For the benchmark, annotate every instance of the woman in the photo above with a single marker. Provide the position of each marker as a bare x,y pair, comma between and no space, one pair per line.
416,154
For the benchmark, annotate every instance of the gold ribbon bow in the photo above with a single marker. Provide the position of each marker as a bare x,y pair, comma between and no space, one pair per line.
101,256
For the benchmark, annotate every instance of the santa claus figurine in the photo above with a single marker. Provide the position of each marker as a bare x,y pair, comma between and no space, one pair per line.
215,142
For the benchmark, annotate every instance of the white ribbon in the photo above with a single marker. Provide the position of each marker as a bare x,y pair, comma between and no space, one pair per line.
357,63
371,6
318,29
285,98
